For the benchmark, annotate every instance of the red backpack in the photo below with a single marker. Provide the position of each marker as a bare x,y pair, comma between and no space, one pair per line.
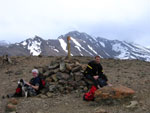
89,96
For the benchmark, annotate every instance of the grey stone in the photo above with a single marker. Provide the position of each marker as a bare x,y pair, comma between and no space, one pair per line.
62,67
54,77
52,88
50,94
77,68
53,66
133,104
62,76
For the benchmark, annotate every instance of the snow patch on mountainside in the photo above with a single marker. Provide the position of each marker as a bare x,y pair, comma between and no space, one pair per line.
76,42
56,50
123,51
92,49
63,45
78,45
81,54
34,48
77,48
102,44
24,43
141,47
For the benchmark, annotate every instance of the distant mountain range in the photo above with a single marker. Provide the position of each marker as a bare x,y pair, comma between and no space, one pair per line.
82,44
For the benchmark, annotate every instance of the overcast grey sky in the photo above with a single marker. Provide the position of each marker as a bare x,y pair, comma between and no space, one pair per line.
127,20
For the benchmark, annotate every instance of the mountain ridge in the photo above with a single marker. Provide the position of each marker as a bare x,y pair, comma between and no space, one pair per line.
82,44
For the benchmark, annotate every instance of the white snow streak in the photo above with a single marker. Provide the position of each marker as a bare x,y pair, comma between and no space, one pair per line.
92,49
78,44
63,45
102,44
77,48
56,50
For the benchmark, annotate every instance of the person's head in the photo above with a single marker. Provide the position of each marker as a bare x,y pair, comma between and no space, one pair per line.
35,72
97,59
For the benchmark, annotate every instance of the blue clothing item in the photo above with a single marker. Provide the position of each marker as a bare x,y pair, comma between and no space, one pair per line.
36,82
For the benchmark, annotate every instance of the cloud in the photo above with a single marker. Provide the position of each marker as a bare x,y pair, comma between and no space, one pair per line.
113,19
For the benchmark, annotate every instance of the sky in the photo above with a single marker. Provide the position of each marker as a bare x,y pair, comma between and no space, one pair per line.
125,20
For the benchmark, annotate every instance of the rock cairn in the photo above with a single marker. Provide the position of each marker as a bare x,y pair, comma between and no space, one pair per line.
63,76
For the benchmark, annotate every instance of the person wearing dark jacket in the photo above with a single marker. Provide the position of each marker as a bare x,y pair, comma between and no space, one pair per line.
31,88
94,72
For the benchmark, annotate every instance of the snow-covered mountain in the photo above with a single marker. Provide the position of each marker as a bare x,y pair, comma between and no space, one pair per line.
82,44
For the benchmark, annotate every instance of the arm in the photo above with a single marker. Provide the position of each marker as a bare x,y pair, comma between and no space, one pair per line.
89,69
36,87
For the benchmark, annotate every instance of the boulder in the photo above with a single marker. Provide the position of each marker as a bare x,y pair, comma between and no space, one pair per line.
62,76
76,69
113,92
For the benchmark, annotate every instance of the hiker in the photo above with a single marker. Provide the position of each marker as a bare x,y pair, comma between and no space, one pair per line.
94,73
31,88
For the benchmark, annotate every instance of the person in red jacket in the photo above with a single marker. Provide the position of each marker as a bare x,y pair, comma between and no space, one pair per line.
94,72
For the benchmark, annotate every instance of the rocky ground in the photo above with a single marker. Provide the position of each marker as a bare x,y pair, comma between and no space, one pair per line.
134,74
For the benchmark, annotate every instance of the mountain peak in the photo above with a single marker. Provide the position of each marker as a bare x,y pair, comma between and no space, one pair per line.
82,44
37,38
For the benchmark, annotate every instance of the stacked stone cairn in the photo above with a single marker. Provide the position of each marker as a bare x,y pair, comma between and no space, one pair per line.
64,76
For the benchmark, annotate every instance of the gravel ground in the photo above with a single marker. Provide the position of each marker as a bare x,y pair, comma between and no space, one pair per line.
134,74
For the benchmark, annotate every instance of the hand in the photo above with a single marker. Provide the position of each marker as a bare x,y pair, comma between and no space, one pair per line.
27,83
95,77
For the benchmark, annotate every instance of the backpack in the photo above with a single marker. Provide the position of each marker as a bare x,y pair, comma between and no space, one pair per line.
42,82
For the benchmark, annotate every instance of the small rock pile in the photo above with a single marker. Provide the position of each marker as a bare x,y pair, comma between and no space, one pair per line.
11,105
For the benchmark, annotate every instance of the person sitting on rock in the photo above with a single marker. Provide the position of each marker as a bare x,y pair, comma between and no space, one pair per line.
31,88
94,73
